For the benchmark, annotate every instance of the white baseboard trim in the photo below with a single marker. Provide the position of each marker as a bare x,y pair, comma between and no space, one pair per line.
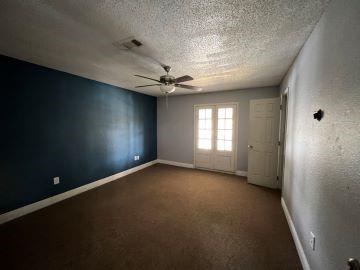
300,250
188,165
175,163
241,173
67,194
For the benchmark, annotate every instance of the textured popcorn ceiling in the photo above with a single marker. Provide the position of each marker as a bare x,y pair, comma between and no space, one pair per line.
223,44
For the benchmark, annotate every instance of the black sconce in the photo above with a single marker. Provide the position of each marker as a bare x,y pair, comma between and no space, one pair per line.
319,115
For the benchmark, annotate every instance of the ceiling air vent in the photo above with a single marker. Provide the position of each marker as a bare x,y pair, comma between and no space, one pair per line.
128,43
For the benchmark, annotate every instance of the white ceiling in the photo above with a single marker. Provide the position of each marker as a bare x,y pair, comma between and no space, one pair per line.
223,44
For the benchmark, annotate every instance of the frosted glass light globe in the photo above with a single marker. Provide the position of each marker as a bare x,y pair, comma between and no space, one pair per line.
167,88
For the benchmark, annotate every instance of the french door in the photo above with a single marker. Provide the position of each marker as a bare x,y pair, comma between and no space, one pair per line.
216,137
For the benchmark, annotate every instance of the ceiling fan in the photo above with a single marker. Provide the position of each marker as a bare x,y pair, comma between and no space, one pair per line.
168,83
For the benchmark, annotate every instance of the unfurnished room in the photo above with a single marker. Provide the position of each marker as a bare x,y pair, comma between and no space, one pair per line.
180,134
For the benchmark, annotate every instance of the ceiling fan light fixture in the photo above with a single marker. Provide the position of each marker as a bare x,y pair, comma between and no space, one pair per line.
168,82
167,88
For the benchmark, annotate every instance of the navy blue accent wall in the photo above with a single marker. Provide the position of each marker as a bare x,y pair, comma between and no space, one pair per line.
57,124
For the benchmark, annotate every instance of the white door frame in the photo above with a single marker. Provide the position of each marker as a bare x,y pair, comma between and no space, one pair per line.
236,123
284,100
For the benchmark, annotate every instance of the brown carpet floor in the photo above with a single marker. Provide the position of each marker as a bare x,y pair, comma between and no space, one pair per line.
162,217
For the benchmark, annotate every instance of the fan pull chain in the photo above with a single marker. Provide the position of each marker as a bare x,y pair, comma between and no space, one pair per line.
166,98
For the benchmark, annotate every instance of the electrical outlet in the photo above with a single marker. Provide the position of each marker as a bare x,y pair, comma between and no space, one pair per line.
56,180
312,241
136,157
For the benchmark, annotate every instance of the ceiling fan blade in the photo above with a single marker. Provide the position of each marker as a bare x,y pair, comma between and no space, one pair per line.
190,87
147,78
183,79
158,84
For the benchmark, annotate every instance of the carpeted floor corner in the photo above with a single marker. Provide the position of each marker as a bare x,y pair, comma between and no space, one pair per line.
162,217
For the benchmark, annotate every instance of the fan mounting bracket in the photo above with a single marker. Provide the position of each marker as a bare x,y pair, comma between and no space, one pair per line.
167,68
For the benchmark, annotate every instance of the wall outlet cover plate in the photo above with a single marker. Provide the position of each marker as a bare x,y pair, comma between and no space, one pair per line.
56,180
312,241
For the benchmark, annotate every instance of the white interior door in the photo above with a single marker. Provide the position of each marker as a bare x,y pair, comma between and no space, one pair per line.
215,137
263,142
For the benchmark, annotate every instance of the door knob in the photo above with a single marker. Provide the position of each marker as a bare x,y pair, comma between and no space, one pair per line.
353,264
250,146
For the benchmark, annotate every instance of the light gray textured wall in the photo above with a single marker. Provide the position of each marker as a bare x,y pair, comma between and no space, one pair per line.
176,124
322,169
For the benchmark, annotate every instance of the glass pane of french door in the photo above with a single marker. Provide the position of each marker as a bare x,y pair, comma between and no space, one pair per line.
204,140
224,140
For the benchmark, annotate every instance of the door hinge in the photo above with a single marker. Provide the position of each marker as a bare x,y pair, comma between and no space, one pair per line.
279,143
280,107
277,178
